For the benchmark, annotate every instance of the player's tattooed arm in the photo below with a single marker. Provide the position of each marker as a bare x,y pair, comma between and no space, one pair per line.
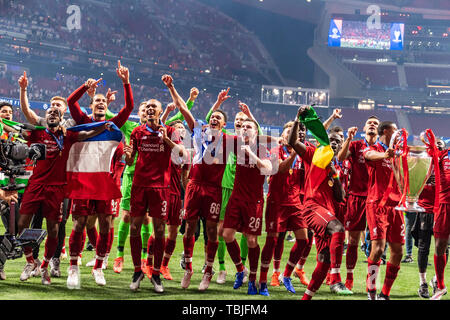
285,165
179,102
335,115
344,153
84,135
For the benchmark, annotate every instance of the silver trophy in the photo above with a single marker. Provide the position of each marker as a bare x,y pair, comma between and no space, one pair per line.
419,169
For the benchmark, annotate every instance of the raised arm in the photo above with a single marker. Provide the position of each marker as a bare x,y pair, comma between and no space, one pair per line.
30,115
170,107
179,102
72,101
190,103
373,155
293,141
336,115
344,153
221,98
124,74
285,165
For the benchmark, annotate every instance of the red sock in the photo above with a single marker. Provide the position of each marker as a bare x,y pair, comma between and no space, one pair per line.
439,267
391,275
136,248
253,259
159,244
211,249
266,257
75,246
50,248
278,253
168,251
350,261
188,244
92,235
110,240
150,250
235,253
83,240
372,273
317,278
336,250
294,255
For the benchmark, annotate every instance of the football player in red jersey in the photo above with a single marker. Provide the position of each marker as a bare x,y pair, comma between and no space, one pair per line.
156,146
385,223
355,216
245,207
441,229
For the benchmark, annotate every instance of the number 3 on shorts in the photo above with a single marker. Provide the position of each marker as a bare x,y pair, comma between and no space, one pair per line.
164,208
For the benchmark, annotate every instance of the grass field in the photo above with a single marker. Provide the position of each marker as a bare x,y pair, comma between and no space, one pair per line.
117,287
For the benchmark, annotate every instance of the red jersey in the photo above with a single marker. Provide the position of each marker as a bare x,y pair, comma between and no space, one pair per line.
444,167
81,118
209,161
249,181
427,196
359,178
379,177
284,188
306,161
118,164
153,165
52,170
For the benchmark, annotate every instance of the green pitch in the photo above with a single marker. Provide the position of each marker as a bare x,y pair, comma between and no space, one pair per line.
117,285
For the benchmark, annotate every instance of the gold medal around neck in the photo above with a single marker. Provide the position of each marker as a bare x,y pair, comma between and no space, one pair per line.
291,171
330,182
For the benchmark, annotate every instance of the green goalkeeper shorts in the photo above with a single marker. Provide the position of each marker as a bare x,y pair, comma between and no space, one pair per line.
226,194
127,180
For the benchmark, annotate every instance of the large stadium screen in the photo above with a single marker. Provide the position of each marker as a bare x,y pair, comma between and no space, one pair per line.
357,34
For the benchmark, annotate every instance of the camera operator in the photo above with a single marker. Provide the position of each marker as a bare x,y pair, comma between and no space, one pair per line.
36,223
46,187
6,112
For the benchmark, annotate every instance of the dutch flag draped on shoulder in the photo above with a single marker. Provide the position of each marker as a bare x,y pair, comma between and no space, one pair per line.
323,153
89,165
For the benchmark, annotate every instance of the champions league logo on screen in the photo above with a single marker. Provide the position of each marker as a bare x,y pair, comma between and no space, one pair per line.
334,35
397,32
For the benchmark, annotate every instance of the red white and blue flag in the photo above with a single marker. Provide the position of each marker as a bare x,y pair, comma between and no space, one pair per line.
89,165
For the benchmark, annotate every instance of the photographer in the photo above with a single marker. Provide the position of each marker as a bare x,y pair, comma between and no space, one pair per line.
6,112
46,188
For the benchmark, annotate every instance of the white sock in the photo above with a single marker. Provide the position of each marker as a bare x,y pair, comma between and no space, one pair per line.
423,277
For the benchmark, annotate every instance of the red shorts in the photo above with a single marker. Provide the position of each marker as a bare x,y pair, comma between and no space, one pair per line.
244,216
385,223
271,216
317,218
202,200
291,218
84,207
441,228
176,212
355,217
155,201
47,198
